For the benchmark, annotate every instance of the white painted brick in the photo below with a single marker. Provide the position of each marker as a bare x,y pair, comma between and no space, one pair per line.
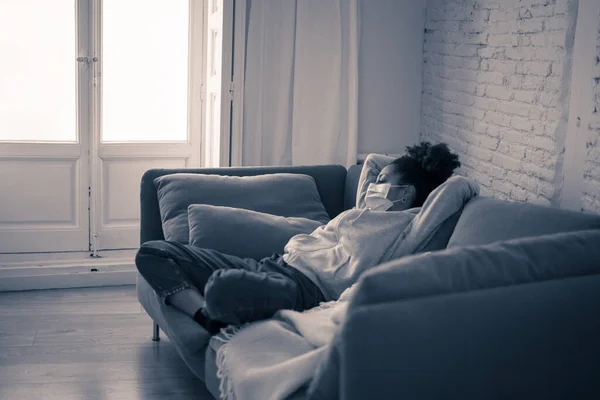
487,142
491,52
541,201
458,121
486,103
495,78
496,118
496,99
522,180
557,69
464,50
553,84
458,97
530,82
525,96
469,160
453,61
504,66
550,129
515,108
485,191
530,25
558,22
544,142
534,68
465,74
524,40
475,38
554,114
542,11
480,178
506,162
481,15
503,15
480,127
542,173
500,28
501,186
482,154
498,92
517,151
546,189
561,7
519,194
442,26
473,27
536,113
521,124
500,40
521,53
549,53
527,3
491,170
548,99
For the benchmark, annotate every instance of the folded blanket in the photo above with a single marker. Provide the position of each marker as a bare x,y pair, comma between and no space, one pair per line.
285,351
276,358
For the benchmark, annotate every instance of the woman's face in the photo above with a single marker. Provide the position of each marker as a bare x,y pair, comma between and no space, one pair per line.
392,175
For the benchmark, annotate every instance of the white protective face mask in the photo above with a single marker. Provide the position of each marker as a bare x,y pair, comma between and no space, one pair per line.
376,197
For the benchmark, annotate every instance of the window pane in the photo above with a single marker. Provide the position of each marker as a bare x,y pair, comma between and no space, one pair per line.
37,70
144,70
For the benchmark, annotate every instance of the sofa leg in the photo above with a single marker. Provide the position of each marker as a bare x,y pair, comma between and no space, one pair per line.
155,333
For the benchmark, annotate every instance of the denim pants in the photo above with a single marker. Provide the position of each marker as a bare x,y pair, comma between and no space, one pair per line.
236,290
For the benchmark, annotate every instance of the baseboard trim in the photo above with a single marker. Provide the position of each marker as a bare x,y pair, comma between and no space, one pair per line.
67,276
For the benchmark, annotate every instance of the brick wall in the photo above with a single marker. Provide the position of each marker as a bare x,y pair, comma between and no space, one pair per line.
591,190
495,90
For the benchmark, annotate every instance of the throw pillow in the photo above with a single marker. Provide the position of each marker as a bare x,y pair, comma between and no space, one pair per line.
243,233
287,195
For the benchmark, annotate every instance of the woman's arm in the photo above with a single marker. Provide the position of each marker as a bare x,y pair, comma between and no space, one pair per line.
372,166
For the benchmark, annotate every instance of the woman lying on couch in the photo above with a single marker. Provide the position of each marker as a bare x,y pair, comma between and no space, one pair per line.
399,206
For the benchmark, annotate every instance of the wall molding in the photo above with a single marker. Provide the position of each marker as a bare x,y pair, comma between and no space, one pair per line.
35,277
579,110
36,271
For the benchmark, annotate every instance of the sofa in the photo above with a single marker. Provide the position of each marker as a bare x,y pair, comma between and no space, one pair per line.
533,339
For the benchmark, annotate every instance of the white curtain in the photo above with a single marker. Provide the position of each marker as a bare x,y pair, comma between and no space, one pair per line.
300,101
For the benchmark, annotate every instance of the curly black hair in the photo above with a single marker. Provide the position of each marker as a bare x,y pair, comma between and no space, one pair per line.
426,166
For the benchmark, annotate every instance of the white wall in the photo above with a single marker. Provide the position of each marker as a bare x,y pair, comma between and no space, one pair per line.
390,75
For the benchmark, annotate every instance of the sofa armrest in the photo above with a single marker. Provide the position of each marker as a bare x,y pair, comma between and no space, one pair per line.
330,180
535,340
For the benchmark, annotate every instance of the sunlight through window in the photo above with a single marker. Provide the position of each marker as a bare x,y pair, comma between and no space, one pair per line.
37,73
145,70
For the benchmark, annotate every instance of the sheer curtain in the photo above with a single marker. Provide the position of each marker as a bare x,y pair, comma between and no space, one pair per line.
300,100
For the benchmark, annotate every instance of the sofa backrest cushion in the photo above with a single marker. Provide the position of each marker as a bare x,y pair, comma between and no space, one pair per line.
352,177
283,194
485,220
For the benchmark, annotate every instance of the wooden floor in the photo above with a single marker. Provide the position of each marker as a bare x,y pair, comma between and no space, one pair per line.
92,343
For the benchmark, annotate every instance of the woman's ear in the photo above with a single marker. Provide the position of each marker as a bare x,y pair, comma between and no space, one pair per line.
411,191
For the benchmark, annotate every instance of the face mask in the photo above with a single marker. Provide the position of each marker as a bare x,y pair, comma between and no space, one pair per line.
376,197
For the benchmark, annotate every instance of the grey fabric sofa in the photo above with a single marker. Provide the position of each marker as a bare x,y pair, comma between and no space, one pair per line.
460,332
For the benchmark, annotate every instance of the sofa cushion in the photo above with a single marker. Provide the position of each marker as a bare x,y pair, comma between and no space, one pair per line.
486,220
243,233
459,269
287,195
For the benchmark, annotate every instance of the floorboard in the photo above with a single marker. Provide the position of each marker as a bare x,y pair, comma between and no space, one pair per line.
92,343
